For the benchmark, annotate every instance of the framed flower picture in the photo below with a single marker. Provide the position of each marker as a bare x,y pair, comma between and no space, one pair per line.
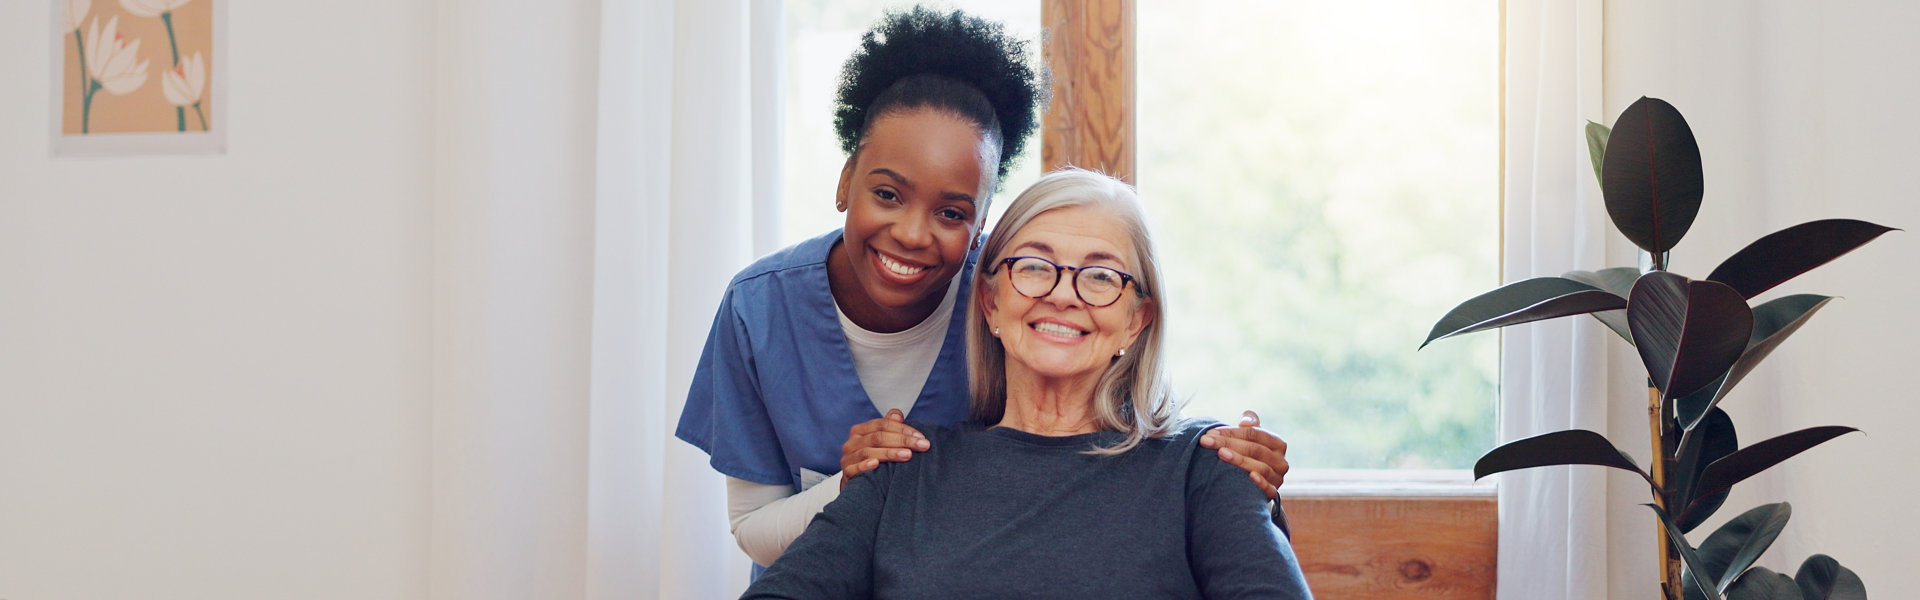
139,77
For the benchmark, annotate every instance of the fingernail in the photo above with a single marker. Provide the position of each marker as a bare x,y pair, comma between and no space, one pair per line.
921,444
1226,454
903,455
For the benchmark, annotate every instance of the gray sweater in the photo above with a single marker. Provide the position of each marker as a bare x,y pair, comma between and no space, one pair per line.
999,513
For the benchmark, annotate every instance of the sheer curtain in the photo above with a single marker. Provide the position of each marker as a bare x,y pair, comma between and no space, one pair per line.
604,166
1553,521
723,195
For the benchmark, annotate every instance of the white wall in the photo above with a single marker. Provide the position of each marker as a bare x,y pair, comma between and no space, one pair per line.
1803,110
215,371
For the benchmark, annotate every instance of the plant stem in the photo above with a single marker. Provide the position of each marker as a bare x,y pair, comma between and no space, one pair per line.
1669,560
80,43
167,17
202,115
179,112
86,107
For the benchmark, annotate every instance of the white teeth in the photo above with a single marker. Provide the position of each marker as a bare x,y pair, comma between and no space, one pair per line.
897,267
1057,329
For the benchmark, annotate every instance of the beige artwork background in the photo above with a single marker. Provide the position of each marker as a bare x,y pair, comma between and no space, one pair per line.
144,110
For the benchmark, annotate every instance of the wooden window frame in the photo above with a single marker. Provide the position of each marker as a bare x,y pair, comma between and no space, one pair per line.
1357,536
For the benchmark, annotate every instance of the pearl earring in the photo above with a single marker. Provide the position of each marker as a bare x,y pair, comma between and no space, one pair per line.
1123,352
996,332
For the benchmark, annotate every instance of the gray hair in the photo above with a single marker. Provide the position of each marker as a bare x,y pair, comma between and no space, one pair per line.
1134,395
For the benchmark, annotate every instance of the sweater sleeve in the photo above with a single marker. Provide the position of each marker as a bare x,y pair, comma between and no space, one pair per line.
834,557
1233,545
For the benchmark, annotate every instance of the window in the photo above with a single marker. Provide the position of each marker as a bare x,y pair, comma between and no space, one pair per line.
1324,183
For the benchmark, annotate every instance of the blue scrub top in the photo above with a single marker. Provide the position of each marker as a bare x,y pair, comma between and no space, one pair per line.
776,391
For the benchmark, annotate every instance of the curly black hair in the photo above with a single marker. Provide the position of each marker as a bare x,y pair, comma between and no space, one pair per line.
951,61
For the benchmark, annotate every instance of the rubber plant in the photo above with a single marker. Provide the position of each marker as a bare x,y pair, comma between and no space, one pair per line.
1698,338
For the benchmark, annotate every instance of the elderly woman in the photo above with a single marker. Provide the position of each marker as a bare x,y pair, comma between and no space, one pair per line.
1075,477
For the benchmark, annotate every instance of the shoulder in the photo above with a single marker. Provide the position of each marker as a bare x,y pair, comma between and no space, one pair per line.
779,278
946,443
1204,464
806,254
939,434
1185,436
1191,428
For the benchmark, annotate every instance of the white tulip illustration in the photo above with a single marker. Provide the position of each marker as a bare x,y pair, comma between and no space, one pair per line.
186,84
77,13
110,66
110,61
164,10
152,8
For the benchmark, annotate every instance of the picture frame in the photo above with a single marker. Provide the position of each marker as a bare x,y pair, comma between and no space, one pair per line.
138,77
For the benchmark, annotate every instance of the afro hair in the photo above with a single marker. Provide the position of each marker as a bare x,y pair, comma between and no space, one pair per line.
951,61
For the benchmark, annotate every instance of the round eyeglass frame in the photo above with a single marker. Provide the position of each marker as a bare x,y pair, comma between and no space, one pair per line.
1058,270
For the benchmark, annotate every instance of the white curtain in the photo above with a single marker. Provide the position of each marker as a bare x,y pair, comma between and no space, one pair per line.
724,205
604,166
1553,521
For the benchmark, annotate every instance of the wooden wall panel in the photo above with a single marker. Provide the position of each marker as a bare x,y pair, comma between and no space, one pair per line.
1385,548
1090,51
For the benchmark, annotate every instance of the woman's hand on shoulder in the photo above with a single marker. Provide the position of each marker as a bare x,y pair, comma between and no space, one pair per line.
886,439
1257,451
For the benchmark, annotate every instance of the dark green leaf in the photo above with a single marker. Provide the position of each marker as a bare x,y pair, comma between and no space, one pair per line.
1688,332
1773,322
1570,447
1651,176
1687,556
1689,408
1762,583
1619,281
1597,148
1713,440
1785,254
1524,301
1751,460
1690,590
1822,578
1615,320
1737,544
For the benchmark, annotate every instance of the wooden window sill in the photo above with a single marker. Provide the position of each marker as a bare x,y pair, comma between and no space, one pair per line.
1393,534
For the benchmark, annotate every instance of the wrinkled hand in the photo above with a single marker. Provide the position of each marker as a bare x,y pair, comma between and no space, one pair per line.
887,439
1259,452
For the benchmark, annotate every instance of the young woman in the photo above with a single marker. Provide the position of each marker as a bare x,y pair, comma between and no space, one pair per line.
820,350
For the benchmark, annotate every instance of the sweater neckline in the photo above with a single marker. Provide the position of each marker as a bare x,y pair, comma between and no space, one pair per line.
1034,439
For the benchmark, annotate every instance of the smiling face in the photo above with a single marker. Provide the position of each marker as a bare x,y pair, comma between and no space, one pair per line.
1058,336
910,194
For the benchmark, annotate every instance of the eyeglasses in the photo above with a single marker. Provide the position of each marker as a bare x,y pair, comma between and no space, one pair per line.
1035,277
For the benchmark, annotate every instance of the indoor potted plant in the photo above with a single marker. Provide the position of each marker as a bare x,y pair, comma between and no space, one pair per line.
1697,339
